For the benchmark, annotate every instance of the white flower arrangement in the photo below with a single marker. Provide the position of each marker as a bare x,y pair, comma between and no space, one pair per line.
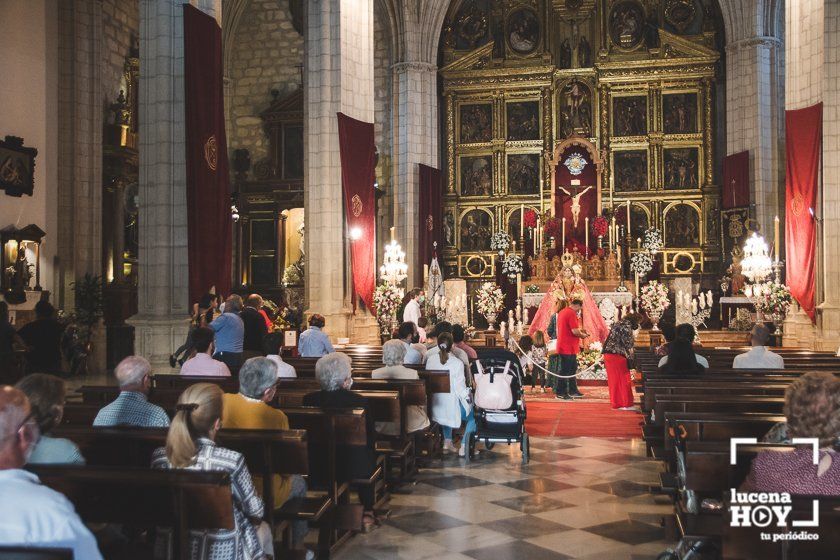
386,300
489,298
654,296
500,241
512,265
652,240
641,262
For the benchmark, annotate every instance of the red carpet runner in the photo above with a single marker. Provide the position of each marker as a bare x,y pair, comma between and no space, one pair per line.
587,419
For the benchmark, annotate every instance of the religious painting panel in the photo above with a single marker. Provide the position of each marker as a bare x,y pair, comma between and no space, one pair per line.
639,221
679,113
523,31
575,107
476,174
630,170
626,24
470,27
523,173
681,16
574,26
476,229
476,123
629,115
682,226
681,168
523,120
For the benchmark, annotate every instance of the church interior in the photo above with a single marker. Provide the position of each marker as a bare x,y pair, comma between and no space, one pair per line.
454,279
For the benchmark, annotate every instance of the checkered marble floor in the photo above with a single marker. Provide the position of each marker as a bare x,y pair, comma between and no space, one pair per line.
585,498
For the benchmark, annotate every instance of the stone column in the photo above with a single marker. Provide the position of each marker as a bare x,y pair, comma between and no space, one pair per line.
338,62
162,292
415,92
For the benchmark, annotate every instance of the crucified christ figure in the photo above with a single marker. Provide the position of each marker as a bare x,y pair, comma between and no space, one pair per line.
576,204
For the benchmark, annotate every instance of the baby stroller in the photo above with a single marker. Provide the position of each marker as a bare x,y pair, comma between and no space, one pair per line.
501,426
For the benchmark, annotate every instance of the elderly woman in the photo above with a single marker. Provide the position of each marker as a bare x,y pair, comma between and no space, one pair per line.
393,354
333,372
46,394
812,408
618,351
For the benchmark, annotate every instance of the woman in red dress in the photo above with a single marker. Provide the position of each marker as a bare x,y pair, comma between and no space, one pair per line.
617,352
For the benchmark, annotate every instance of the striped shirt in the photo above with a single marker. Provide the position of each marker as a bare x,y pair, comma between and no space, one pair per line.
132,409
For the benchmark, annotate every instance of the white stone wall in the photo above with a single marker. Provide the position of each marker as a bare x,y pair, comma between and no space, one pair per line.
120,22
804,49
266,54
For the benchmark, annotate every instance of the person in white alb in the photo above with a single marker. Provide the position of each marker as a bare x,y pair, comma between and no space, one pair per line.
203,363
412,312
759,357
34,516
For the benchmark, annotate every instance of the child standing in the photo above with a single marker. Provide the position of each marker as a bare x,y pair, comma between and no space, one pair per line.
526,343
538,355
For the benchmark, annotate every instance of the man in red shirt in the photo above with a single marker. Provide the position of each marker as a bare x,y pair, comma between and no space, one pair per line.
565,325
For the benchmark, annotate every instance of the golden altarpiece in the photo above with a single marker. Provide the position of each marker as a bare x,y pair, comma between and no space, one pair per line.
624,88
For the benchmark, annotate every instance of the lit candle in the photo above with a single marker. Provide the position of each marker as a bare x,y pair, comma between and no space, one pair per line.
628,217
639,242
613,232
518,286
522,221
538,238
513,247
586,237
392,233
776,237
563,236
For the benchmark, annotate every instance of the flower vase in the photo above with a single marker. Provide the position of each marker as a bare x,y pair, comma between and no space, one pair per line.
491,321
654,317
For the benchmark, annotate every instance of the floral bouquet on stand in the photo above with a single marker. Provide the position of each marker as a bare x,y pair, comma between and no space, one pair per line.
500,242
592,357
512,266
773,300
386,300
654,299
489,300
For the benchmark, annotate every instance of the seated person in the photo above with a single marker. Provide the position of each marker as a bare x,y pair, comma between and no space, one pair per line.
759,357
249,410
333,372
441,328
43,339
46,394
812,409
34,515
685,332
203,363
669,333
393,352
132,407
449,409
190,445
313,342
407,334
458,335
682,359
422,323
271,347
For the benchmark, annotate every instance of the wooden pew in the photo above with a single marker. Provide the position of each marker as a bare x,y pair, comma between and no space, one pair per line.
25,553
180,499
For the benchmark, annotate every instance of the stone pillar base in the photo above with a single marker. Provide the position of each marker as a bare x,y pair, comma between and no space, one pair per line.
799,332
365,329
829,333
155,338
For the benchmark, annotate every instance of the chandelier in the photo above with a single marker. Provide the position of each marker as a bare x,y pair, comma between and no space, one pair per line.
756,264
393,269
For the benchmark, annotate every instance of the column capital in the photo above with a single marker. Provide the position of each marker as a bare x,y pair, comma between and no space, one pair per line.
749,42
402,67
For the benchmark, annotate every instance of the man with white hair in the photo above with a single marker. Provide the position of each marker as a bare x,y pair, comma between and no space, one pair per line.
132,407
393,356
249,409
35,516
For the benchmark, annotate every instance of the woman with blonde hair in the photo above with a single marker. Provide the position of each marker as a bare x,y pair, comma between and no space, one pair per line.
190,445
449,409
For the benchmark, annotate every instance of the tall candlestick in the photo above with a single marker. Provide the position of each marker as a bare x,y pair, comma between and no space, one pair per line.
513,247
586,237
538,238
628,218
392,233
563,236
522,222
519,285
776,237
612,233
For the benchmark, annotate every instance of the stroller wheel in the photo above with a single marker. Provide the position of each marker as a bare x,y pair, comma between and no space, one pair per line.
489,445
526,456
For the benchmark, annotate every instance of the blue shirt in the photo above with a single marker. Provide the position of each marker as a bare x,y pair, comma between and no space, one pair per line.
230,332
56,451
314,343
132,409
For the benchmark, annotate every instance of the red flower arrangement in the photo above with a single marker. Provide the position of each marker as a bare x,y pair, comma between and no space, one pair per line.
530,219
552,228
599,226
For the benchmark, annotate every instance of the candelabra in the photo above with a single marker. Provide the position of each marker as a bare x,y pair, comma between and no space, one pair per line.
756,264
393,269
699,308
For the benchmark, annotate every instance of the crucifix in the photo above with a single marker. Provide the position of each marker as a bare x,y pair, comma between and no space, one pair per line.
576,204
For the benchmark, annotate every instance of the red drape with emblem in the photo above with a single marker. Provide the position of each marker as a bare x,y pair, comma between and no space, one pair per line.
429,215
576,236
208,188
803,145
736,180
355,141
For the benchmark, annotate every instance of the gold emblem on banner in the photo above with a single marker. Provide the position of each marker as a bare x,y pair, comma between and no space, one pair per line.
211,152
797,205
430,223
357,205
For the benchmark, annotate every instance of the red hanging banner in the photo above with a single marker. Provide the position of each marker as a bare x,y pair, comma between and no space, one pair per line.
208,189
356,145
430,214
803,146
736,180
